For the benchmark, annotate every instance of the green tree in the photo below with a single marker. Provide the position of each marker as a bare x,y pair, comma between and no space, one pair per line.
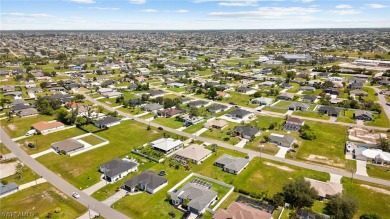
194,111
80,121
43,84
3,102
342,206
299,193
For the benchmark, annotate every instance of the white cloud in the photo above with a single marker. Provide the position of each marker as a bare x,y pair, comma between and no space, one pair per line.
101,8
343,6
306,1
268,12
376,6
83,1
137,2
149,10
181,11
26,15
345,12
238,3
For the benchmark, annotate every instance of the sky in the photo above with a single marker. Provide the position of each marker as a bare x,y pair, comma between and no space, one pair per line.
192,14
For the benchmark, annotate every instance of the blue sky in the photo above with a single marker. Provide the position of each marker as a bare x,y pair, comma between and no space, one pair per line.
191,14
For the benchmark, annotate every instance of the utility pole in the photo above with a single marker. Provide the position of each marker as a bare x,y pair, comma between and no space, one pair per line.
261,146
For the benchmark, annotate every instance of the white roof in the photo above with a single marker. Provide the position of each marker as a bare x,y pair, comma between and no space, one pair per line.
372,153
165,144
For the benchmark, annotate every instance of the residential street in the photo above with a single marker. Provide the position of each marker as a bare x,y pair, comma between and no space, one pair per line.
57,181
249,152
383,101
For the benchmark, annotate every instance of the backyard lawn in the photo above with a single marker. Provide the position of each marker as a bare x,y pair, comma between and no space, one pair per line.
41,200
276,110
380,120
222,135
121,143
92,140
194,128
43,142
19,126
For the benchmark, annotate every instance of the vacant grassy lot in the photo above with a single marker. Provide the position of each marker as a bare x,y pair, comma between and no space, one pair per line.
282,104
328,148
194,128
169,122
276,110
132,111
27,175
311,115
41,200
378,171
240,99
19,126
264,122
122,141
365,197
43,142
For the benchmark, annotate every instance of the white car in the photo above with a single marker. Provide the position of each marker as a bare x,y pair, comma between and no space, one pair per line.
31,132
76,195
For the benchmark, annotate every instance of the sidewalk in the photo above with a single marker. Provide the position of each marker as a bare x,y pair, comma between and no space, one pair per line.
42,153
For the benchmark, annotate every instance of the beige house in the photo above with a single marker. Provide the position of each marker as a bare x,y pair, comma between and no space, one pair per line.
217,124
193,153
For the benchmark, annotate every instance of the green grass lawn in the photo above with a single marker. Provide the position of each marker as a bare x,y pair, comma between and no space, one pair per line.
294,89
328,147
122,141
276,110
43,142
240,99
346,116
90,128
221,135
264,121
282,104
169,122
366,197
380,120
92,140
378,171
315,92
4,149
133,111
41,200
311,115
177,89
109,101
19,126
371,94
194,128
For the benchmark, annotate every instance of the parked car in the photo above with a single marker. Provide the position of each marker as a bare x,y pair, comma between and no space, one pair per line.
388,104
76,195
31,145
31,132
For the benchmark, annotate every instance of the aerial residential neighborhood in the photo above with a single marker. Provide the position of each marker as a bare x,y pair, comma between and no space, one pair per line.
215,123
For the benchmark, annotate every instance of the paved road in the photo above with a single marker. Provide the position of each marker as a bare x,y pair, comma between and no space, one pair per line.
250,153
10,50
57,181
383,101
281,115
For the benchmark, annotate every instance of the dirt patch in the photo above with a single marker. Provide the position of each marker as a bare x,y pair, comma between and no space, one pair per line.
108,102
155,132
323,160
376,189
12,127
288,169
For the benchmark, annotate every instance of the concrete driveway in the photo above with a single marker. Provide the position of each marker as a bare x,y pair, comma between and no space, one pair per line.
361,168
242,143
282,152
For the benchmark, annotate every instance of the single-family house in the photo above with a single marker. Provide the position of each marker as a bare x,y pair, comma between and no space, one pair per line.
240,114
293,124
285,96
332,91
112,94
27,112
116,169
217,124
45,127
107,121
193,153
155,93
309,98
67,146
362,115
282,140
262,101
8,188
246,90
170,112
231,164
325,189
357,92
307,88
166,145
247,132
152,107
329,110
191,120
296,106
200,197
198,103
216,108
147,181
237,210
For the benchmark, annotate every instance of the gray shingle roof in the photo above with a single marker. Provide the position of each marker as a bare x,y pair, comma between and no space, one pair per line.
232,163
148,178
117,166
